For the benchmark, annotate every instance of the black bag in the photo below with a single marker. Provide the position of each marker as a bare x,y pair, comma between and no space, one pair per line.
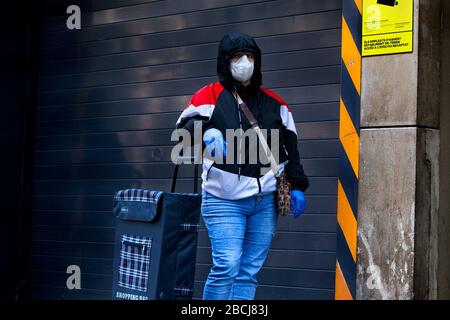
155,243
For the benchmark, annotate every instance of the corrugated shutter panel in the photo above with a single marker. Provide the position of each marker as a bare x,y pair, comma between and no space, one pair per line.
109,96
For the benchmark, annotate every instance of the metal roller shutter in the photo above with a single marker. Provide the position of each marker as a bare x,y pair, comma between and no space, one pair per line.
109,96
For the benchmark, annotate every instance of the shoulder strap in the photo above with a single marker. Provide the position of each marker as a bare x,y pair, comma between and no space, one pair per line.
248,114
254,123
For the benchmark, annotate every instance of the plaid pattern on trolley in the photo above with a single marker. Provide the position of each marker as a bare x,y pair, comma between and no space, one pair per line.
134,262
138,195
190,227
183,291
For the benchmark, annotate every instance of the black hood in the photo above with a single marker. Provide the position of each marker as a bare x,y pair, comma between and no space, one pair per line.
231,43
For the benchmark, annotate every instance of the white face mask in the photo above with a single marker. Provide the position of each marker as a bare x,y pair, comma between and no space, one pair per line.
242,69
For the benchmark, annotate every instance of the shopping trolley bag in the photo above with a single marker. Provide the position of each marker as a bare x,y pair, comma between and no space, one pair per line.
155,243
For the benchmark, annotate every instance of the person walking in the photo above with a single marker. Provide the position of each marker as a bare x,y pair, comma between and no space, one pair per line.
238,196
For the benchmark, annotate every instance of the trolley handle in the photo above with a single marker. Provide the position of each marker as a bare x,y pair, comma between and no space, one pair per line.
180,160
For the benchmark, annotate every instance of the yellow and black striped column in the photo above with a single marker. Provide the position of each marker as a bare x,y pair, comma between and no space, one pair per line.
347,214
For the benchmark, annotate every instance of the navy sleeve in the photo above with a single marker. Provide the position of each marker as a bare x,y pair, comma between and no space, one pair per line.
294,168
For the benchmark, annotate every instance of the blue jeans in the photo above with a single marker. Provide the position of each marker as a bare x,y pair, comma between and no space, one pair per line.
241,232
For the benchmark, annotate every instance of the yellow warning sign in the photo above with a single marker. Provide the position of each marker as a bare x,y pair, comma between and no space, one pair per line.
387,27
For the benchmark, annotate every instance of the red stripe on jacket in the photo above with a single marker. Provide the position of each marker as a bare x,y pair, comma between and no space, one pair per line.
207,95
276,97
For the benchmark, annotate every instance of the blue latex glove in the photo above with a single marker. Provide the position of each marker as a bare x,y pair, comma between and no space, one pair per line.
298,203
214,141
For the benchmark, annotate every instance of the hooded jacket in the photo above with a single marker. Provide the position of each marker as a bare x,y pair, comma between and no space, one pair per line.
216,107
